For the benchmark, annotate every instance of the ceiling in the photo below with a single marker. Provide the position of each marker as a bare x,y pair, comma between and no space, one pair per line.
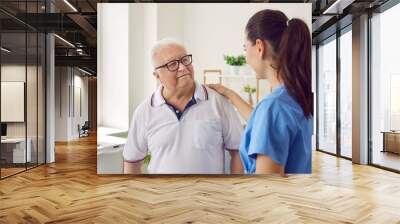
332,15
76,22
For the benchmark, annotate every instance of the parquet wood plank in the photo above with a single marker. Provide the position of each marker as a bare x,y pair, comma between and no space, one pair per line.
70,191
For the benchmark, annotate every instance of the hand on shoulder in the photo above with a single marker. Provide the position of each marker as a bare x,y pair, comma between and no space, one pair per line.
221,89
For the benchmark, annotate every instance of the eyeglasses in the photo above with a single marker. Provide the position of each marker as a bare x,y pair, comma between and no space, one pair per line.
173,65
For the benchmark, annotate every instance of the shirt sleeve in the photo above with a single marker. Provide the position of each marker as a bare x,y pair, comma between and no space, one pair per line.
231,126
271,133
136,144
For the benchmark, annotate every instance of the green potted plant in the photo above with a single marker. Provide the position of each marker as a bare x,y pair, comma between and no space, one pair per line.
235,62
145,164
249,90
147,159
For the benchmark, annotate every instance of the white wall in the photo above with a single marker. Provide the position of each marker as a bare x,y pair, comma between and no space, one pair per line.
81,82
61,97
113,65
33,126
207,30
13,94
67,80
144,31
150,37
214,30
211,30
124,83
18,73
170,21
136,59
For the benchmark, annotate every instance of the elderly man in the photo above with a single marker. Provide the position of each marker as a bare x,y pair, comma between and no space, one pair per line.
185,126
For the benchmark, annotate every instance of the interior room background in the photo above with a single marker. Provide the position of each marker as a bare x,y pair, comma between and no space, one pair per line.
22,77
126,33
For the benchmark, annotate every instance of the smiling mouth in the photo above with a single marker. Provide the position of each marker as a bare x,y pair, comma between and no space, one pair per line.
181,76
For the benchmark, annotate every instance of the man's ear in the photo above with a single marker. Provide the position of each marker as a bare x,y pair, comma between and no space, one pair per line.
261,48
156,75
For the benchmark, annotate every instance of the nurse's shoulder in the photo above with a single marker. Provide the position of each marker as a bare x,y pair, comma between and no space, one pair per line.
279,107
270,103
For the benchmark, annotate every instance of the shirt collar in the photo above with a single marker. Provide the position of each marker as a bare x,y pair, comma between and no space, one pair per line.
200,93
278,89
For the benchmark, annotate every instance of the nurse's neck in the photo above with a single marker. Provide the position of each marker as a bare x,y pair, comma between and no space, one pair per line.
272,77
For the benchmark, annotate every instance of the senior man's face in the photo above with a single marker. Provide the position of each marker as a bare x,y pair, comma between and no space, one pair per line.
167,75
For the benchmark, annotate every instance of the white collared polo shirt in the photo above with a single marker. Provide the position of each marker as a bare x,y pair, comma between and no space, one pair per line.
193,144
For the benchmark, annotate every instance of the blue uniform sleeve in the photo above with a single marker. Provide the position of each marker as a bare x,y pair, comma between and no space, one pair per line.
271,133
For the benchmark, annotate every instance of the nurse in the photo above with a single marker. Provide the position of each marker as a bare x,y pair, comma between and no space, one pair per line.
277,138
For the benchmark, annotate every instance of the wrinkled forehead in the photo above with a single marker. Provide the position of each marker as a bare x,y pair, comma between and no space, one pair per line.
168,53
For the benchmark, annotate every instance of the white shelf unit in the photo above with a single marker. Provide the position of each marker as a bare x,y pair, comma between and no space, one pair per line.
234,76
217,73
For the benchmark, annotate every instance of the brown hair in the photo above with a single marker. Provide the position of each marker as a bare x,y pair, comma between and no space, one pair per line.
291,43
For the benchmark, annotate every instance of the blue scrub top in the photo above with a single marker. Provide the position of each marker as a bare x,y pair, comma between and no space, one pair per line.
277,128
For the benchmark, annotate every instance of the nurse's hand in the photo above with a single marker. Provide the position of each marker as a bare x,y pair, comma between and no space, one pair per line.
221,90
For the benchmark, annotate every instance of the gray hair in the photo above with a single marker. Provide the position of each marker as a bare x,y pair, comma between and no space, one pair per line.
165,42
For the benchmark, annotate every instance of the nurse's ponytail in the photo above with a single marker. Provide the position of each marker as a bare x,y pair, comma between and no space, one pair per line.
291,44
294,56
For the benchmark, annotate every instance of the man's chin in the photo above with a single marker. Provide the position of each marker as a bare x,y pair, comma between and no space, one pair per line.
185,80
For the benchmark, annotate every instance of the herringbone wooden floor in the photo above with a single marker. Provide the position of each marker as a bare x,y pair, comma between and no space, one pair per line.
70,191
